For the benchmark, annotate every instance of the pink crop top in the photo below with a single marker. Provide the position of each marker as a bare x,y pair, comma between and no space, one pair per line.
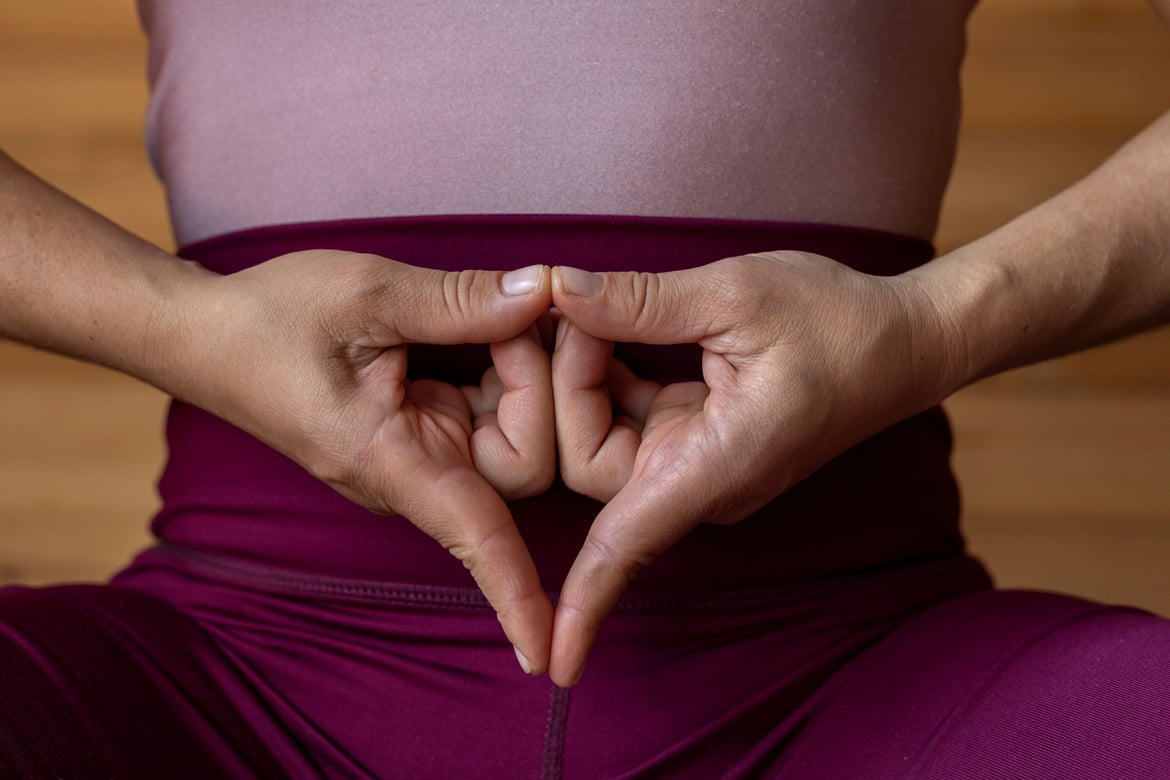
839,112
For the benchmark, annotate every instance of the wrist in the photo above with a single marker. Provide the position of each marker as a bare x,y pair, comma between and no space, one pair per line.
171,351
942,300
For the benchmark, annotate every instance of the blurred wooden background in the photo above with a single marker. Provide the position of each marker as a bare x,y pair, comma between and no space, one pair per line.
1065,466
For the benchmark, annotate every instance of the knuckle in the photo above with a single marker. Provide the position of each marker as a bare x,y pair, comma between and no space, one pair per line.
570,466
576,476
582,472
506,585
473,549
644,296
738,280
610,560
739,294
459,294
531,481
479,547
543,478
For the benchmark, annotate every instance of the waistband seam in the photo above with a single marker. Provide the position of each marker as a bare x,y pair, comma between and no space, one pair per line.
261,233
326,586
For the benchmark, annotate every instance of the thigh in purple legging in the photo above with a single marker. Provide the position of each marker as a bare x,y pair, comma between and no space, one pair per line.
995,685
840,632
228,670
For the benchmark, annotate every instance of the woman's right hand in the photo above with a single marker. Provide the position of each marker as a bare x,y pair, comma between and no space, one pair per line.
307,352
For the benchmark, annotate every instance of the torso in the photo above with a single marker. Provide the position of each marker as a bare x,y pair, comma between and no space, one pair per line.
797,110
734,120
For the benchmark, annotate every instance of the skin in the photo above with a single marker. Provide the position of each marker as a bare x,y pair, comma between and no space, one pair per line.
307,353
803,358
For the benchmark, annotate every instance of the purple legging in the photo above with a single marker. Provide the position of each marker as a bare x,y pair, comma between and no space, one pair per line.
199,668
841,632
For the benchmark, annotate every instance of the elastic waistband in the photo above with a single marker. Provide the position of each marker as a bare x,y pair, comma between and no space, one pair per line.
890,500
596,242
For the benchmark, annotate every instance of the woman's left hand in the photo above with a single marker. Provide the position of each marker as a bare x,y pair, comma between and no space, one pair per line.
802,358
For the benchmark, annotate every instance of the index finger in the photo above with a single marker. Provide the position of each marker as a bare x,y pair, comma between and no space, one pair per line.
516,453
461,511
646,517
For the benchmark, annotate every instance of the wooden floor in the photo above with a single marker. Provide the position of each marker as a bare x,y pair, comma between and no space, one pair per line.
1065,466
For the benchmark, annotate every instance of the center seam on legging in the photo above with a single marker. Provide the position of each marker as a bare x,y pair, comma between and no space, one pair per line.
554,733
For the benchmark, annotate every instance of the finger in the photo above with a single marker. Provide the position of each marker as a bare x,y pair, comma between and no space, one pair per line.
443,398
596,457
675,403
547,328
642,520
514,447
632,395
457,508
458,307
679,307
484,399
625,421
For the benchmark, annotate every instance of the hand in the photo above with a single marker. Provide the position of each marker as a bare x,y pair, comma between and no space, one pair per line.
308,353
803,358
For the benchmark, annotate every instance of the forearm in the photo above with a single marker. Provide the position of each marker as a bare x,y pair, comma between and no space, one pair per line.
1090,265
75,283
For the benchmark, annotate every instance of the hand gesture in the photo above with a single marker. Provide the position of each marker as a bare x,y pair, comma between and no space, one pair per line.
802,358
310,357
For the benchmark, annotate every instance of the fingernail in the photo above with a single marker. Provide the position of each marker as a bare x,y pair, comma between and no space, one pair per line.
562,326
578,282
522,281
525,664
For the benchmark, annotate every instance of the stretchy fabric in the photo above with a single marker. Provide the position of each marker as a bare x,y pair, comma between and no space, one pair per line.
279,631
890,501
276,631
843,112
191,668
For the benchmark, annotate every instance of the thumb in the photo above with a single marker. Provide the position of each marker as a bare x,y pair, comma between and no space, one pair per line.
460,307
461,511
677,307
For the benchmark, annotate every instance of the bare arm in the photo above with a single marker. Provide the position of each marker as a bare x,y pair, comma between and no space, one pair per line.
1088,266
73,282
329,329
1085,267
804,357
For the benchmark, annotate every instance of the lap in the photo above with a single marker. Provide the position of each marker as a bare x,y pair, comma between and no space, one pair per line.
998,684
106,682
